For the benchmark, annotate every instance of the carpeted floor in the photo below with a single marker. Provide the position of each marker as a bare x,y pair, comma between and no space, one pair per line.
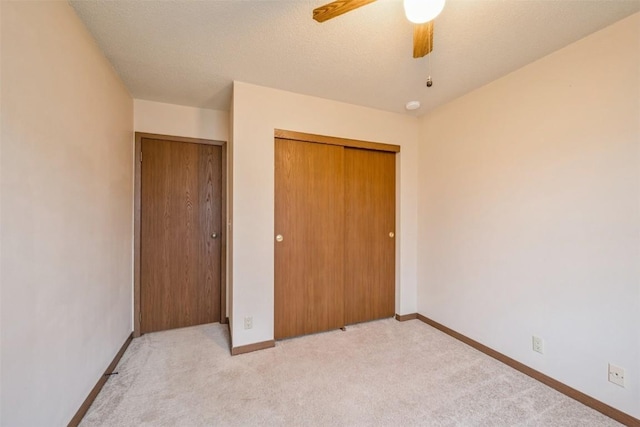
383,373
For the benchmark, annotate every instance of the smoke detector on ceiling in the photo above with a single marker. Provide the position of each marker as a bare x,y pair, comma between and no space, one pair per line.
412,105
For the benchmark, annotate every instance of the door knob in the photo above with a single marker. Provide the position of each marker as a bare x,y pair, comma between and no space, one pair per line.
214,235
391,234
279,238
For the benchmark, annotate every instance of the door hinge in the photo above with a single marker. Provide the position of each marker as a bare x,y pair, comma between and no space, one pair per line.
141,157
140,317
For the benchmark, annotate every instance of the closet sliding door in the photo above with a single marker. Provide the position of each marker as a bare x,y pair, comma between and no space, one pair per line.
370,217
309,249
335,233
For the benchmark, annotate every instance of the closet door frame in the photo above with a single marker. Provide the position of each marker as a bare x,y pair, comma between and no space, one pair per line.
332,140
335,141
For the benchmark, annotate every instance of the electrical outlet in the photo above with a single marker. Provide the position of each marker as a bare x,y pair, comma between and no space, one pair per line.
248,322
537,344
616,375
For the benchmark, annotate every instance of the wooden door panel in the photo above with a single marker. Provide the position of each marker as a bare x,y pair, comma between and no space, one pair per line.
309,214
369,250
181,189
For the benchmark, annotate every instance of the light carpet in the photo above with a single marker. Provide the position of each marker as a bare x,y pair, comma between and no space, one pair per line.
382,373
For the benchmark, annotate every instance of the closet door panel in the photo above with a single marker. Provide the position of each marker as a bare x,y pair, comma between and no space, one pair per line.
369,287
309,258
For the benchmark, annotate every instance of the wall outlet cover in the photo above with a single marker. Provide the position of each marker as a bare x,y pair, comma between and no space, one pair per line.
248,322
616,375
537,344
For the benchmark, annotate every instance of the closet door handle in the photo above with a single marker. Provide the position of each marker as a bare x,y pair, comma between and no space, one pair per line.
279,238
214,235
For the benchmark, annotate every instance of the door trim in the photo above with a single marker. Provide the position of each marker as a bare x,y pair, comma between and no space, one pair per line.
333,140
139,136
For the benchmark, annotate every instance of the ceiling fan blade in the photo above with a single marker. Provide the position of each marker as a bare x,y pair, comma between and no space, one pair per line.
422,39
337,8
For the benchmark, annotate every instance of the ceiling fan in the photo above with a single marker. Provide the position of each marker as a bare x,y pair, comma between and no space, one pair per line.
420,12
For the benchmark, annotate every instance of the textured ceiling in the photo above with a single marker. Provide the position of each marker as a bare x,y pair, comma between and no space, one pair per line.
189,52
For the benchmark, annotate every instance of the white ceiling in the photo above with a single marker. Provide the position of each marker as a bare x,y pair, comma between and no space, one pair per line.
189,52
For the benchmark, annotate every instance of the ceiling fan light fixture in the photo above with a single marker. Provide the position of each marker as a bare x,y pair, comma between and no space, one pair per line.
421,11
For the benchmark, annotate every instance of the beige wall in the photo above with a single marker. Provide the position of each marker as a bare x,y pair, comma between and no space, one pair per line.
530,214
66,219
178,120
257,111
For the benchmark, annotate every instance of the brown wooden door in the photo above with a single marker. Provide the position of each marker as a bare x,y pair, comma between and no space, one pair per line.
309,215
369,285
181,193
